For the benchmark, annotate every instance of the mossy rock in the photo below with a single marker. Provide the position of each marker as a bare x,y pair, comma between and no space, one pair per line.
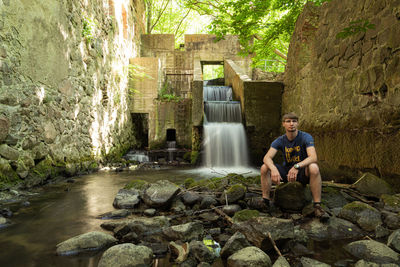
137,184
234,193
44,169
188,156
391,202
332,197
291,196
208,184
362,214
189,182
245,215
8,177
372,185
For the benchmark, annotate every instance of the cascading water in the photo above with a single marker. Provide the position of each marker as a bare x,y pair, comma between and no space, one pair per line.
225,142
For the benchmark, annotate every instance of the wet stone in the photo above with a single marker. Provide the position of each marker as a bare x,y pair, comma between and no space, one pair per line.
150,212
372,251
230,210
307,262
207,201
234,244
190,198
394,240
117,214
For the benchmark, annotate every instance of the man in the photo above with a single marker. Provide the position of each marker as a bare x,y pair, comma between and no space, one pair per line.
300,163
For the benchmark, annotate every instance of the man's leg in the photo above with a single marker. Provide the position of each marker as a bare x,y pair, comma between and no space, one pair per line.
315,181
265,181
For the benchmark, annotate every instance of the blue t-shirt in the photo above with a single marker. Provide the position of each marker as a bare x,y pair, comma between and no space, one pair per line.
293,151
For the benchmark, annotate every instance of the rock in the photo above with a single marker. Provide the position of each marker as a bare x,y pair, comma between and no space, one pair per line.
177,205
392,220
299,249
363,263
391,202
209,217
190,198
334,229
290,196
4,128
150,212
244,215
40,151
50,133
394,240
8,152
214,231
307,262
233,194
85,242
184,232
256,230
3,222
122,230
160,194
381,231
281,262
374,251
6,212
332,198
207,201
126,255
201,252
126,199
234,244
160,249
203,264
372,185
154,223
249,256
116,214
230,210
363,214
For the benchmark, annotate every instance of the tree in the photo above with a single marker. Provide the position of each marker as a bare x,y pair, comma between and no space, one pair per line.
262,25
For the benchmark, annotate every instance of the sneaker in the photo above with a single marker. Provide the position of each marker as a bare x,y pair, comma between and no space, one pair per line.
320,213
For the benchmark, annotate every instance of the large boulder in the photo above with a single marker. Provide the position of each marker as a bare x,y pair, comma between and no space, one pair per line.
281,262
85,242
257,229
361,213
150,224
126,255
249,256
290,196
374,251
126,199
160,194
8,152
391,219
234,244
184,232
333,198
394,240
334,229
190,198
372,185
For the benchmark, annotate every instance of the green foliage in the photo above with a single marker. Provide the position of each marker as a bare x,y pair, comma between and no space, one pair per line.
88,29
354,28
213,72
167,94
189,182
194,157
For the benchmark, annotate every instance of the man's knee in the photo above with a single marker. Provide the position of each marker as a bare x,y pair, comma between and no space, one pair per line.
264,169
313,169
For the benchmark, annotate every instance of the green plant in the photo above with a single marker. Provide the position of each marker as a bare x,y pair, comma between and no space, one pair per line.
88,29
354,28
166,94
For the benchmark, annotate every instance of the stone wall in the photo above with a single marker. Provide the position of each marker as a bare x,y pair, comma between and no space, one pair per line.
63,85
347,91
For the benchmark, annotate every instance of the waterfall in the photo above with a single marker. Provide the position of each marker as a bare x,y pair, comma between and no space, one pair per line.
225,142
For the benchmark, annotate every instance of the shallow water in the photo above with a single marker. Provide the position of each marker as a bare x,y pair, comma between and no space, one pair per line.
64,210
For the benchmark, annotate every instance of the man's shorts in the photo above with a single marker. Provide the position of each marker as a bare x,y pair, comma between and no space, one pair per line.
301,175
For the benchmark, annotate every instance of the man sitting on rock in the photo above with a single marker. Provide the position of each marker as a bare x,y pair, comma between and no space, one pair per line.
300,163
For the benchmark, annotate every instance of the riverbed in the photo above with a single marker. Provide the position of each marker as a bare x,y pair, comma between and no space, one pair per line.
63,210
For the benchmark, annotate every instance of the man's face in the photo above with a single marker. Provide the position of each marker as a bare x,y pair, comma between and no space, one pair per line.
290,125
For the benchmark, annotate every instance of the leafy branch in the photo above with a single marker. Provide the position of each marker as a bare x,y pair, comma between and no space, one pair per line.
354,28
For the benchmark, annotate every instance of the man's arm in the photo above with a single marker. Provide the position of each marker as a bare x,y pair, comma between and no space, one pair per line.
275,176
312,158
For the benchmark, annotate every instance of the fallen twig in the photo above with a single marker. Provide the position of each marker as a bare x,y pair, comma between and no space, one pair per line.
273,243
223,214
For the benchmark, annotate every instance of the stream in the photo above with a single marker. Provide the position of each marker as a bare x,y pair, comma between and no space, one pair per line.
64,210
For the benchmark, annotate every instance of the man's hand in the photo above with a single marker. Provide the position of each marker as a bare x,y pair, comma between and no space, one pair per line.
292,174
275,176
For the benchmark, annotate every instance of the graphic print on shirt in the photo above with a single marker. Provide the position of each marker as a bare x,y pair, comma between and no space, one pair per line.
292,154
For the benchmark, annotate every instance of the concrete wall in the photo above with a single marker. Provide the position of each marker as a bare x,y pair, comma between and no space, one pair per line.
63,85
261,107
347,91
